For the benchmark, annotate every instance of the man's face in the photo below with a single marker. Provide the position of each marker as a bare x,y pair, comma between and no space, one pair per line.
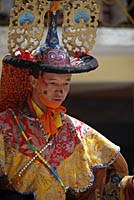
57,86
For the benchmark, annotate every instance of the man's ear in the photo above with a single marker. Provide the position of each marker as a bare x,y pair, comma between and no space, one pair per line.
33,81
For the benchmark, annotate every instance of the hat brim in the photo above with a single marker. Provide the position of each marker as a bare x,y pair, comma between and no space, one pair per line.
84,64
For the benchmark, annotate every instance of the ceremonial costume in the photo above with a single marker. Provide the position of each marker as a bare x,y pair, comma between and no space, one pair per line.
48,153
73,154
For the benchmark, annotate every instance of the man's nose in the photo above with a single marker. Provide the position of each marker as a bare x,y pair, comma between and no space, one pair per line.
60,90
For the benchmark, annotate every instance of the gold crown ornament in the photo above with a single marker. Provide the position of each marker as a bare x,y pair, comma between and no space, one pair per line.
27,24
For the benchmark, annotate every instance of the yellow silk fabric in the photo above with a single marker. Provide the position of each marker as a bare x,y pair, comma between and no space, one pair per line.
75,171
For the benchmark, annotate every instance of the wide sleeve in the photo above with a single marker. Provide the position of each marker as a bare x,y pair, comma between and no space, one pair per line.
2,155
99,151
91,152
102,153
102,161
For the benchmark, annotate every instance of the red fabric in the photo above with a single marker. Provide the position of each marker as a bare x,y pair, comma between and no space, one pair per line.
62,148
15,84
79,54
25,55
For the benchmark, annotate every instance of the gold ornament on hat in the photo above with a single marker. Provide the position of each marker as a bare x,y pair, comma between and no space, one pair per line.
26,25
80,25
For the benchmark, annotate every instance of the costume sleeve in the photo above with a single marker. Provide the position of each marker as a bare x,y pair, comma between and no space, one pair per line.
102,153
105,161
99,151
93,153
2,155
5,134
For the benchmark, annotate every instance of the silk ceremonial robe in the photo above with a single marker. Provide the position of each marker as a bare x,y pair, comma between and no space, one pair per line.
78,154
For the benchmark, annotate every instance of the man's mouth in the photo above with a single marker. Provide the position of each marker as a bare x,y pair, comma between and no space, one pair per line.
57,99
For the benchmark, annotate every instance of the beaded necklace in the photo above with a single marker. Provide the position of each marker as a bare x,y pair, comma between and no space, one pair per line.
32,160
37,154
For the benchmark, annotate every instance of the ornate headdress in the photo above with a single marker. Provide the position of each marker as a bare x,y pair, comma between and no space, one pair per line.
26,30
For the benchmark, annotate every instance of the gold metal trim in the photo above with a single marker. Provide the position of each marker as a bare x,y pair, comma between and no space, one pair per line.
80,36
28,35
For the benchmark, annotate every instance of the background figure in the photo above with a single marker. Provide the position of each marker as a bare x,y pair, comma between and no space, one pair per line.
131,7
5,7
117,14
112,13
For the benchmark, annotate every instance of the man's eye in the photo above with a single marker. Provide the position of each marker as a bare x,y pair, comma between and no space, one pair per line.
66,83
52,83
